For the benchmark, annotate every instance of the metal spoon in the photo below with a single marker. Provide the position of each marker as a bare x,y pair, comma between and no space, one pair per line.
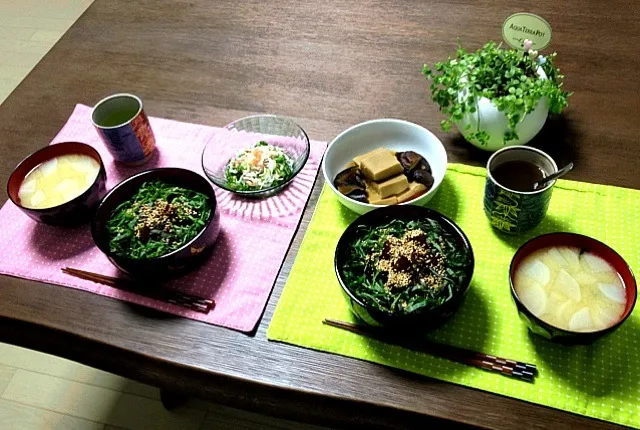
556,175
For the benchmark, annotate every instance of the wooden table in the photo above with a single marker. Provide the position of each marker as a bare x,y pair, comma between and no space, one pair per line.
329,64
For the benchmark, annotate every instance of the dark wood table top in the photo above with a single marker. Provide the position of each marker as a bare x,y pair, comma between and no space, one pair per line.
329,64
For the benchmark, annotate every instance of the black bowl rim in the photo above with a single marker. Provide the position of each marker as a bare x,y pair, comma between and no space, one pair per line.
428,213
274,187
108,253
564,332
48,148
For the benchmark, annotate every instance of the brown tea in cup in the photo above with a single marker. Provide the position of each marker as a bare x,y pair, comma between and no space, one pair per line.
518,175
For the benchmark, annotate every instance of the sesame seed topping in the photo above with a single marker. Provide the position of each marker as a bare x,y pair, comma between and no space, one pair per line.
161,216
410,260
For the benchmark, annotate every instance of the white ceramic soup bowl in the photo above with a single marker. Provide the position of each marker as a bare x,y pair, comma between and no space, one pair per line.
393,134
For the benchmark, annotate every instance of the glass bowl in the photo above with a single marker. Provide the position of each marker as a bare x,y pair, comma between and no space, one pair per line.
246,132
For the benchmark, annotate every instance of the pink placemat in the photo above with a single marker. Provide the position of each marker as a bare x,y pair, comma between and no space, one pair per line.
246,259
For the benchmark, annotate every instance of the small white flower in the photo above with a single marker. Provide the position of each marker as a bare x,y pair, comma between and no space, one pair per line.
533,54
527,45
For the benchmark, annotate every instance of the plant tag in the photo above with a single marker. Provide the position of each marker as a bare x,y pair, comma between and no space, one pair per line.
521,26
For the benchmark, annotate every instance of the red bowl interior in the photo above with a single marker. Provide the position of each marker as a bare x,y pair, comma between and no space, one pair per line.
591,245
39,157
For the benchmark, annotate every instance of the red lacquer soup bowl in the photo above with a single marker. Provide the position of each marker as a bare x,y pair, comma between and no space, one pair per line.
73,212
588,244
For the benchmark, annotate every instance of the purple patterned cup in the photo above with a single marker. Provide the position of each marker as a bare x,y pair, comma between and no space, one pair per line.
124,128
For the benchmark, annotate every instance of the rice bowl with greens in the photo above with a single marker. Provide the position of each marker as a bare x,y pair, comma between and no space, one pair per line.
404,265
158,219
401,267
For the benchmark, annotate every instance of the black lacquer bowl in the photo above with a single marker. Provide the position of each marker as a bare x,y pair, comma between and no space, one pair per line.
176,262
419,320
74,212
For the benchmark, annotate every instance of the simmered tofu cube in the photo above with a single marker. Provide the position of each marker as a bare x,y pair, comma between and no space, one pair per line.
380,165
359,158
390,187
415,189
376,200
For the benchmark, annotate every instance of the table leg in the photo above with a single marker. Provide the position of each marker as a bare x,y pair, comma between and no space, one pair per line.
171,400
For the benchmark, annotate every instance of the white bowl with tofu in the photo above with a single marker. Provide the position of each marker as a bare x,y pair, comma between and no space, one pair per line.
384,162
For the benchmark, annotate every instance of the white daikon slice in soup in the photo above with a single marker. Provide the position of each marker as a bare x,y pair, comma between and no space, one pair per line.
58,181
570,288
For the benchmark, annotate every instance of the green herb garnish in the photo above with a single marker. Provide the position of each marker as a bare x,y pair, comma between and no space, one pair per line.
405,266
157,220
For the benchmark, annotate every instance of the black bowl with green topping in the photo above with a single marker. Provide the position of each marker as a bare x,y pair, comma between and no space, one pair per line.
404,267
157,223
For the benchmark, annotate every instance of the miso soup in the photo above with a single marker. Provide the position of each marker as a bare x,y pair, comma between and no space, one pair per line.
58,181
571,289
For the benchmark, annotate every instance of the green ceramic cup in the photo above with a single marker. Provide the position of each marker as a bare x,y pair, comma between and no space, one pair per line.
511,211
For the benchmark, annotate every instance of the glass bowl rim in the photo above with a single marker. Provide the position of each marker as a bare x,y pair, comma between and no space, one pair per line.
305,157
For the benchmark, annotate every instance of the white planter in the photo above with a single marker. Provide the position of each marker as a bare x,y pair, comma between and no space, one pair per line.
496,124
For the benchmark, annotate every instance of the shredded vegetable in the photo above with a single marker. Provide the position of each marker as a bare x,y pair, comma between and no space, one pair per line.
259,167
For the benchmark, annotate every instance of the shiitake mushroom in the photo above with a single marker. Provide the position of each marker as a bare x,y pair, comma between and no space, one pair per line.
424,165
359,196
416,168
411,161
350,182
350,179
423,177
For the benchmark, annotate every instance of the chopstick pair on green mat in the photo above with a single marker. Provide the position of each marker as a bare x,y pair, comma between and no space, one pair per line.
515,369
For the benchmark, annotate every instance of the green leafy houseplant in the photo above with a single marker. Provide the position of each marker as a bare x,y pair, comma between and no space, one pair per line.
509,78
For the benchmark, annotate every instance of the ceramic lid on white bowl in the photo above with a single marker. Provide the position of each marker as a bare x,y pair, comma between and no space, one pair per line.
393,134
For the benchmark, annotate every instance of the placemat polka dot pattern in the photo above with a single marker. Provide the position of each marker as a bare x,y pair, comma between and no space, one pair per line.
601,380
235,276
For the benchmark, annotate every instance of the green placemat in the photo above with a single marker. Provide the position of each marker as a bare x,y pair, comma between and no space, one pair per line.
600,381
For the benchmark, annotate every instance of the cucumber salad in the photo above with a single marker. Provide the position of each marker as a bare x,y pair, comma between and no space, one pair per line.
259,167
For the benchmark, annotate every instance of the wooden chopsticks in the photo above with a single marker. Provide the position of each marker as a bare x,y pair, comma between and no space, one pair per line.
177,298
515,369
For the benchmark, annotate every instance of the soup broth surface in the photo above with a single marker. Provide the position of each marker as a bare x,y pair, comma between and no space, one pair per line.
571,289
58,181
